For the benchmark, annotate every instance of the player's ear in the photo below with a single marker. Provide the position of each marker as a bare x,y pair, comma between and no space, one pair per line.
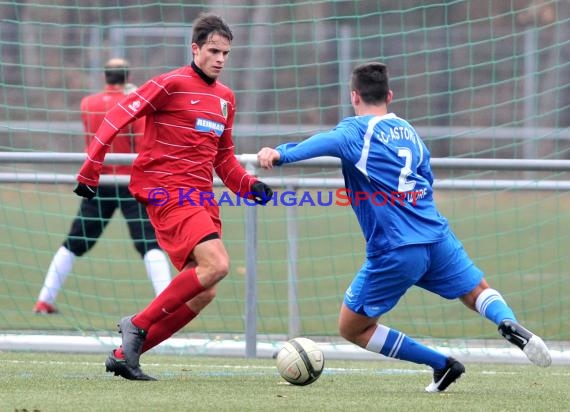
194,47
389,97
354,97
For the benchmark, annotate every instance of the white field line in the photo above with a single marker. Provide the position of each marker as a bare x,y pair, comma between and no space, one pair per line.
236,348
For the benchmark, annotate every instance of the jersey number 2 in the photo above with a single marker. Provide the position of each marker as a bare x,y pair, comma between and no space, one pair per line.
405,185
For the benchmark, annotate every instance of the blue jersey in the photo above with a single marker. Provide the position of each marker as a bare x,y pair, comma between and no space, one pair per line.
388,179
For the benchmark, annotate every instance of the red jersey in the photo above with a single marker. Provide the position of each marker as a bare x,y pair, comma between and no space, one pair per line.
188,135
93,110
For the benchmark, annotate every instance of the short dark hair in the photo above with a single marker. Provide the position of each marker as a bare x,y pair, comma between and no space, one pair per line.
116,73
370,81
207,24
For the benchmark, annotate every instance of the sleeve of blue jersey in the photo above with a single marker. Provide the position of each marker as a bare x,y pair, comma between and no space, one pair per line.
321,144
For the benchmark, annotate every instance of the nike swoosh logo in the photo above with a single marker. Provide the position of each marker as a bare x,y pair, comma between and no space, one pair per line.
442,378
194,101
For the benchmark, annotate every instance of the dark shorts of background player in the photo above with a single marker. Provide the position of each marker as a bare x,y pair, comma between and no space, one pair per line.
94,215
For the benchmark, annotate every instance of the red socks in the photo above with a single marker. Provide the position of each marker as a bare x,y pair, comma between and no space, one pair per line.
180,290
161,331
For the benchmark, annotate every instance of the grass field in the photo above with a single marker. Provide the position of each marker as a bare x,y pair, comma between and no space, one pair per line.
518,238
57,382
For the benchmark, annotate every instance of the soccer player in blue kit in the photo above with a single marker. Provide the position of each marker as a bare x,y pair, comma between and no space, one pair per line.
408,242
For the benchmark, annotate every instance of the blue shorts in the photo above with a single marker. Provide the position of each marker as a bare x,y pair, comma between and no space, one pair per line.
443,268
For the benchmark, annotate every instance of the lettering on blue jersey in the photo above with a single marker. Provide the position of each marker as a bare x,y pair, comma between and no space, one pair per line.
397,133
415,195
205,125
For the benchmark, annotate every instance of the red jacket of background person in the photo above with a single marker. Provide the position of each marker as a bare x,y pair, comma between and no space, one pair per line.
93,110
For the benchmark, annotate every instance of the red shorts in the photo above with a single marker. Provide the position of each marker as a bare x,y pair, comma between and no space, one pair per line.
179,227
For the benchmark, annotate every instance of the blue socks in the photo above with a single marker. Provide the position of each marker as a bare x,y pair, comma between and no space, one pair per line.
491,305
395,344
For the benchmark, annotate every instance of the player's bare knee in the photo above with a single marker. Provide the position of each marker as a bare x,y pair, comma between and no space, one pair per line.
213,262
347,332
220,269
349,336
212,272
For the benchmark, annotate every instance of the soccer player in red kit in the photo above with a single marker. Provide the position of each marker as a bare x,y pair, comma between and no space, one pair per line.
94,215
188,134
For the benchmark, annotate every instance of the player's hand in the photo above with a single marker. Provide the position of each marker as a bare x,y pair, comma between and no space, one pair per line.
261,192
267,157
86,191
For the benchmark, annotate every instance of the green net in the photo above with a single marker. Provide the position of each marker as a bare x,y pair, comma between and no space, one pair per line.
480,79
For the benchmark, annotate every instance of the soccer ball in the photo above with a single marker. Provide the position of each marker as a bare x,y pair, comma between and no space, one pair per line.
300,361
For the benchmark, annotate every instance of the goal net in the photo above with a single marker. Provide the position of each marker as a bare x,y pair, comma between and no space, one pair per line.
479,80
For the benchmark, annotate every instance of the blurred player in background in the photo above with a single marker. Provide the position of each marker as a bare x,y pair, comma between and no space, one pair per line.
188,135
408,242
94,215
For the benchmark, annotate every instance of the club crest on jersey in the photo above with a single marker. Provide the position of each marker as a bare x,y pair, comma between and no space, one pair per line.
224,107
205,125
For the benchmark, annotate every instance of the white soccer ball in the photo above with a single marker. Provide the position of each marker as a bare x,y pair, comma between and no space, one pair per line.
300,361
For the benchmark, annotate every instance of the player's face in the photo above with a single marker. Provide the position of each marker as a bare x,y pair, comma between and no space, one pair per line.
212,56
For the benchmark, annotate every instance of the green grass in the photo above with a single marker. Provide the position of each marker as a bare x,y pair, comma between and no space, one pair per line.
56,382
518,238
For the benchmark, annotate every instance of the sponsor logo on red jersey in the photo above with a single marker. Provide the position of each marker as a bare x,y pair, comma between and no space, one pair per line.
205,125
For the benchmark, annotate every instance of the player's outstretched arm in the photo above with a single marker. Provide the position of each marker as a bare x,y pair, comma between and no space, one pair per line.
329,143
267,157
